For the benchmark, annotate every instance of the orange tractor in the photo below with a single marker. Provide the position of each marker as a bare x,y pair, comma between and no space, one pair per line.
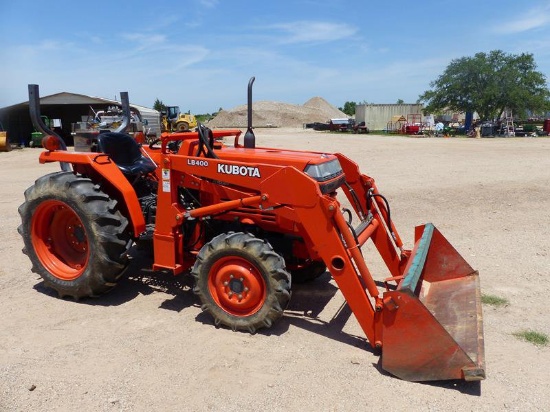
246,222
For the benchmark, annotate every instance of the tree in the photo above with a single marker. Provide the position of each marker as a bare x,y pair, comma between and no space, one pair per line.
400,101
349,108
489,84
159,106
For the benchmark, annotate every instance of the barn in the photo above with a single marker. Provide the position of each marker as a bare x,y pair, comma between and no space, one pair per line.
67,109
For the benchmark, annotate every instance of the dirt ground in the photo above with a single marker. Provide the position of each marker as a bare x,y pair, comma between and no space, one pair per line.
146,346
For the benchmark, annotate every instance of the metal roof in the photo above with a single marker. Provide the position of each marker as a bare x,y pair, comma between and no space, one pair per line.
66,98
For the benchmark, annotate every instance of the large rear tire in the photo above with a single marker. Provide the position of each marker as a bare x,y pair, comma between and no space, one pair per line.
74,235
241,281
182,127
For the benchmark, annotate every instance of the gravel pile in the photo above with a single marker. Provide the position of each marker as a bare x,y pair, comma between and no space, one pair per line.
277,114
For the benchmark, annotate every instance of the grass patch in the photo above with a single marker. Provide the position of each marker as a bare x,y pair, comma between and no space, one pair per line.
493,300
536,338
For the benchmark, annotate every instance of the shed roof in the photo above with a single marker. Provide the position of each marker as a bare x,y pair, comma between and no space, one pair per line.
66,98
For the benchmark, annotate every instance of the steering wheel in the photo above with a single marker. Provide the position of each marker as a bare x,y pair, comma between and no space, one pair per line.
206,142
172,146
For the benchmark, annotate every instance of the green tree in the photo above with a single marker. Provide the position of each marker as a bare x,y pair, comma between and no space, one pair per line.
159,105
489,84
349,108
400,101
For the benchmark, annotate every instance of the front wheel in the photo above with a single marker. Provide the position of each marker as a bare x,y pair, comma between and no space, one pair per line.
74,235
241,281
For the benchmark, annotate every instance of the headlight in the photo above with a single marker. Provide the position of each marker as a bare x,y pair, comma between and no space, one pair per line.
324,171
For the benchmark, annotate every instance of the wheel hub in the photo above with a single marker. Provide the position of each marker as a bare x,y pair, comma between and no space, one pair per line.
76,235
60,239
237,286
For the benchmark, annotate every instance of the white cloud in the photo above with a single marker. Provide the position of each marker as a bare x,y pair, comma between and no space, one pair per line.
531,19
145,39
209,3
313,32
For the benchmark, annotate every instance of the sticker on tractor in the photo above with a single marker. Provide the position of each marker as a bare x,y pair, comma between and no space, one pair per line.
166,180
238,170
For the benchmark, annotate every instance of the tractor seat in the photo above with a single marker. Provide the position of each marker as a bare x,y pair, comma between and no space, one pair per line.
125,152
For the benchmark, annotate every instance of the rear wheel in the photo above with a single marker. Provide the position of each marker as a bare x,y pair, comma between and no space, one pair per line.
241,281
74,235
182,127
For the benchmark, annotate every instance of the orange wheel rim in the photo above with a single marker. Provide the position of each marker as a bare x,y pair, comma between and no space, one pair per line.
59,239
237,286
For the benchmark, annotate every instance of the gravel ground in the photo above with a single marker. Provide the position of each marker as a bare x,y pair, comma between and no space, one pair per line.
146,346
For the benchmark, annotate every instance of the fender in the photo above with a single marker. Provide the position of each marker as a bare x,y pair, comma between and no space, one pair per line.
109,171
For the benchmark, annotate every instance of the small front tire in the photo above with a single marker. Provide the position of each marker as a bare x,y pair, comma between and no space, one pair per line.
241,281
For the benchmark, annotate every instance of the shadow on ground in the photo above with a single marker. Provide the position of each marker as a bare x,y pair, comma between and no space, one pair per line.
307,302
140,279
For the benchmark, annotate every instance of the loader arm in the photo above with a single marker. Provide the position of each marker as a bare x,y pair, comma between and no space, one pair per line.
323,221
359,190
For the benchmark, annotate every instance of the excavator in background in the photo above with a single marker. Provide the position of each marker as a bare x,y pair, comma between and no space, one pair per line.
173,120
246,222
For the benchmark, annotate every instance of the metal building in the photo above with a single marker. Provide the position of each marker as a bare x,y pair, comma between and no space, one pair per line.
377,116
69,108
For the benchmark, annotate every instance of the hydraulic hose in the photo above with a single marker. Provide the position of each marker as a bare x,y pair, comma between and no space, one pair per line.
358,207
370,195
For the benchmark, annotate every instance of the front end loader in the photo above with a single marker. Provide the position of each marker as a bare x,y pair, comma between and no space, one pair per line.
246,222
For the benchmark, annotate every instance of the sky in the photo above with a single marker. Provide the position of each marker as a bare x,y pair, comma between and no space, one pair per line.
200,54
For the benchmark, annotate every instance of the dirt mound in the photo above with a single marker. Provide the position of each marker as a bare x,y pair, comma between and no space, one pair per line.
277,114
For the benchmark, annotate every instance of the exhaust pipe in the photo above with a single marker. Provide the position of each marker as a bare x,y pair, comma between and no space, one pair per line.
249,138
34,109
125,103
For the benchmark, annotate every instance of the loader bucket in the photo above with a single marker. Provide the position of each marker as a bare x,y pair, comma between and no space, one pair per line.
432,323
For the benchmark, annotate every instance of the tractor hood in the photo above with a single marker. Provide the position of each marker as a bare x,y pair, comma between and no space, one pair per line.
319,166
322,167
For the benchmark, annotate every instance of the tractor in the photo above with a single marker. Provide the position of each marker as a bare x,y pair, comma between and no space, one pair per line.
172,120
246,222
